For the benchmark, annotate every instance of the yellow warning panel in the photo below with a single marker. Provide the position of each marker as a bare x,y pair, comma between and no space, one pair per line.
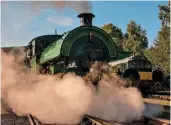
145,75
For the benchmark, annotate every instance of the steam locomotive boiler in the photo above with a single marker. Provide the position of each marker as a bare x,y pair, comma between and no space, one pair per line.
74,50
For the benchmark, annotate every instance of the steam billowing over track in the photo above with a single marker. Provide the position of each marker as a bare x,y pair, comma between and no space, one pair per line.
106,80
71,94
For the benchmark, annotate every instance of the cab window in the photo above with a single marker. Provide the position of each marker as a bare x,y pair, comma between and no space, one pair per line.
140,64
132,64
147,65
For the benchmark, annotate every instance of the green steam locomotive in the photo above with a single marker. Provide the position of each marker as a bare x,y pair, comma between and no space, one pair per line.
73,51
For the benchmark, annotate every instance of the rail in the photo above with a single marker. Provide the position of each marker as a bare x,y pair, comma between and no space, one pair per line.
33,120
157,101
156,121
89,120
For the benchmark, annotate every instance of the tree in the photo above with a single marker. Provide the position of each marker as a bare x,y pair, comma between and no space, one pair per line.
164,14
115,33
159,54
135,39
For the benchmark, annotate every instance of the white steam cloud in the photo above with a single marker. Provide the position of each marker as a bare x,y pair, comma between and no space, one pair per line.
50,99
61,21
65,101
153,110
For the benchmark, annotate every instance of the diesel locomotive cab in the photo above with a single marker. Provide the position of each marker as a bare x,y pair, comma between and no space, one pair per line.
138,70
139,64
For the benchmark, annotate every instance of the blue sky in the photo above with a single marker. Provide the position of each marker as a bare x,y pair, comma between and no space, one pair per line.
21,22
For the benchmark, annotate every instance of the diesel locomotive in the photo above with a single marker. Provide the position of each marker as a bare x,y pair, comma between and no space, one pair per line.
139,69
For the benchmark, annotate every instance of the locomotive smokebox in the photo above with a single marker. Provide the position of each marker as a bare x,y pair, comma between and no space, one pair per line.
86,19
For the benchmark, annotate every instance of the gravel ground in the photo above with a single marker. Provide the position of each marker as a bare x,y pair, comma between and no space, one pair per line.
11,119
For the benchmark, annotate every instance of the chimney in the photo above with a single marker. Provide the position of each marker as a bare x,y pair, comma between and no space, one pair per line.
86,19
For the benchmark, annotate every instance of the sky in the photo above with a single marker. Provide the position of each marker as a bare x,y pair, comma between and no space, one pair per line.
23,21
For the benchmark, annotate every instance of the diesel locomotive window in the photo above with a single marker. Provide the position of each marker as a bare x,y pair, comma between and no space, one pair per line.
140,64
132,64
147,65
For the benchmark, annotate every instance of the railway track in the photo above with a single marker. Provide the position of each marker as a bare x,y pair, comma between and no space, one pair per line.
159,98
163,95
157,101
89,120
33,120
155,121
144,121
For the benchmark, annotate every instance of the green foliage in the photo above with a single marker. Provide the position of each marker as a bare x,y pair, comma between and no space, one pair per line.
136,42
115,33
159,54
135,39
164,14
